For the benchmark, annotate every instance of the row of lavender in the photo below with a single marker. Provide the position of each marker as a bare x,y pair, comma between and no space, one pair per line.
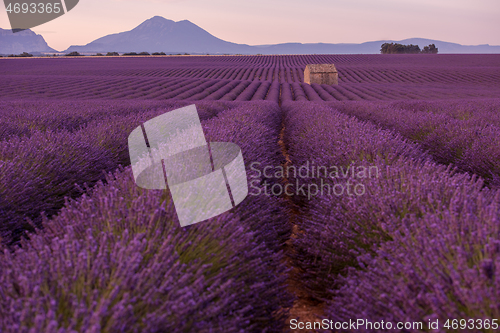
468,64
182,66
48,150
117,260
465,133
70,88
388,234
239,73
347,74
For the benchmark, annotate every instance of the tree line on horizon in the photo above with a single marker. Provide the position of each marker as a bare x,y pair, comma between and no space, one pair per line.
76,54
386,48
396,48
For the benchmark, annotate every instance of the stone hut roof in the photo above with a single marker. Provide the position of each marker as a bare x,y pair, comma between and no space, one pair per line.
321,68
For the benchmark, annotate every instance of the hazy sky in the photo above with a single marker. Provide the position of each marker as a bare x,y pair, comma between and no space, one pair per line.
277,21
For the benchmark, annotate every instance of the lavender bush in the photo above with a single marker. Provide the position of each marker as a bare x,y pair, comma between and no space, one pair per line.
458,132
339,229
420,243
254,127
227,274
261,92
119,261
323,137
39,171
438,266
247,94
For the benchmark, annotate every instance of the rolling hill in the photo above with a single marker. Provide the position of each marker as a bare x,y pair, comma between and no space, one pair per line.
23,41
158,34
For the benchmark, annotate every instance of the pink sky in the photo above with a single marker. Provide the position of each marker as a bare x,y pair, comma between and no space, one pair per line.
279,21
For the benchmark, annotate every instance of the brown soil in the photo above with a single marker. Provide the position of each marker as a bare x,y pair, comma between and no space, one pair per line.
305,308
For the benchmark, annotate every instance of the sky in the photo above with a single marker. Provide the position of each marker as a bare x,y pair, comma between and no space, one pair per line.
257,22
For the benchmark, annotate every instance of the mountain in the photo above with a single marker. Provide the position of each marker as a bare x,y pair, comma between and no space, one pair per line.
23,41
159,34
371,47
162,35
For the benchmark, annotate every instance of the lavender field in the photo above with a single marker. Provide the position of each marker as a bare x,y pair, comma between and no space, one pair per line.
396,219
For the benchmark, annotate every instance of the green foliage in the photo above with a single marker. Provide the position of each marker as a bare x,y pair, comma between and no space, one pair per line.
112,54
159,53
431,49
396,48
136,54
22,55
73,54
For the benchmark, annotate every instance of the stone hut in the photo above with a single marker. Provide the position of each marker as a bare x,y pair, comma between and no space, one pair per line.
321,74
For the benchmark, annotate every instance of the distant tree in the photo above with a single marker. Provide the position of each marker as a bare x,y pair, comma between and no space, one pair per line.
399,48
158,53
384,49
130,54
99,55
22,55
112,54
73,54
431,49
412,49
186,53
144,53
396,48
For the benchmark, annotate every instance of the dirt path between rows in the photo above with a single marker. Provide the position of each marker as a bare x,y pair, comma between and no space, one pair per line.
305,308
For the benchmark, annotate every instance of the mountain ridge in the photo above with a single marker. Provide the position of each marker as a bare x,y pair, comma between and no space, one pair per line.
159,34
23,41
